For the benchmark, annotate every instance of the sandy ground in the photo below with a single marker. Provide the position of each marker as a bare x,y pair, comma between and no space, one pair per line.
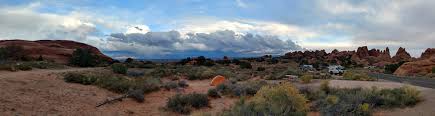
43,92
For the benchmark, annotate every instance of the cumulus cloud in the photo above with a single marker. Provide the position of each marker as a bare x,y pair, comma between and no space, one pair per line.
219,41
382,23
22,22
284,31
242,4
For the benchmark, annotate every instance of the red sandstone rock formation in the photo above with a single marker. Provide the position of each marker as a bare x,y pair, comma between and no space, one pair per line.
58,51
430,52
419,67
362,52
402,55
362,56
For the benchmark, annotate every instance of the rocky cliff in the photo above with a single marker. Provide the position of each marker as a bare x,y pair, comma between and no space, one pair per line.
402,55
421,66
58,51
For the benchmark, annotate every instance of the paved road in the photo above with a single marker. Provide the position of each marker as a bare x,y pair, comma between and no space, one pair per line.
417,81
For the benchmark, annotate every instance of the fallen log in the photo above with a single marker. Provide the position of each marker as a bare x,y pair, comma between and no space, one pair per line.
109,100
138,95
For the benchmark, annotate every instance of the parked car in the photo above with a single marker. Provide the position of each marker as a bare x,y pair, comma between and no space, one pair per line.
336,69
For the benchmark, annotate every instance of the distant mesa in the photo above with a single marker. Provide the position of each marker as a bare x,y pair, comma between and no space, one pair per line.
58,51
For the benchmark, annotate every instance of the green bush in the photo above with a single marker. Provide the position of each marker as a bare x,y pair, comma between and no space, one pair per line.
359,101
183,103
276,100
245,65
324,86
12,52
433,69
119,68
161,72
113,83
170,85
79,78
249,88
182,84
306,78
43,64
200,73
282,74
357,75
8,67
391,68
213,93
135,73
261,69
84,58
23,67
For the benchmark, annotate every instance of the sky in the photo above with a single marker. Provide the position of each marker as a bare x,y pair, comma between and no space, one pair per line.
154,29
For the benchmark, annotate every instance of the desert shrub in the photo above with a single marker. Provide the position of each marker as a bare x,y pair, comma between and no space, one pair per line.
391,68
84,58
306,78
356,75
23,67
359,101
170,85
209,63
119,68
324,86
12,52
249,88
137,94
332,99
43,64
129,60
199,73
147,65
113,83
79,78
225,72
147,84
183,103
282,74
182,84
242,108
261,68
213,93
161,72
8,67
135,73
245,65
273,100
433,69
235,61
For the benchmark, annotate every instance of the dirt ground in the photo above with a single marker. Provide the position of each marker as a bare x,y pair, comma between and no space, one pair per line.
43,92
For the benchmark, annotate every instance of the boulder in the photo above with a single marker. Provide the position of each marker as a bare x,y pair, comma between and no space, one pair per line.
58,51
420,67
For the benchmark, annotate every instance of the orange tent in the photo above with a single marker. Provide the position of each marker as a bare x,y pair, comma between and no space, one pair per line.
217,80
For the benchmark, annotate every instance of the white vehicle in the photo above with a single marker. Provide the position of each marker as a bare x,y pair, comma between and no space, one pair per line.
336,69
